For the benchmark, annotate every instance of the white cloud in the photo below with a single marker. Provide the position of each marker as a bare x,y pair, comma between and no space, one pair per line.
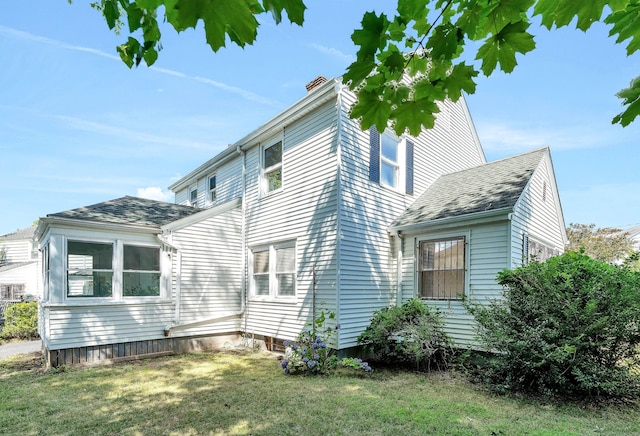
154,193
334,53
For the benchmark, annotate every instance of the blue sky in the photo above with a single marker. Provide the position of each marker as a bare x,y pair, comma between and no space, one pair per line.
78,127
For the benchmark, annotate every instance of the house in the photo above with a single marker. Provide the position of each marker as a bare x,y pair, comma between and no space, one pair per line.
19,273
306,213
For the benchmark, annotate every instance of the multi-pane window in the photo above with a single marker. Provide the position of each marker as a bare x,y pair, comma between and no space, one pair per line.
441,268
272,161
389,161
193,197
89,269
213,195
141,271
274,270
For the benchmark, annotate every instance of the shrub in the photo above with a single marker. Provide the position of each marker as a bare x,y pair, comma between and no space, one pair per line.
311,354
569,326
411,334
21,321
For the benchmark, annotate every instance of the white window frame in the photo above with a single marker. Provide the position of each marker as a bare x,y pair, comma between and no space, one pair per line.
467,256
268,170
272,272
193,202
212,193
117,268
400,164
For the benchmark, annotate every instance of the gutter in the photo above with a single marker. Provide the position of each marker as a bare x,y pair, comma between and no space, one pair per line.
472,218
398,236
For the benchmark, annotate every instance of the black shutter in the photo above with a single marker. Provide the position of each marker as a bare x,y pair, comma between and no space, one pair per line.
374,155
409,177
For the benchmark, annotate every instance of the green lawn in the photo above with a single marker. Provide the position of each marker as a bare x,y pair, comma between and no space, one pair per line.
246,393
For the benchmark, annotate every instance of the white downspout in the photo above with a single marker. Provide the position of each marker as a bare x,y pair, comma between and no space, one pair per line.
243,236
398,236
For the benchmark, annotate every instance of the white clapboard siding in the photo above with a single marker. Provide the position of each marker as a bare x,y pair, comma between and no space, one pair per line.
19,250
488,253
27,274
304,211
88,325
537,214
210,274
228,185
367,275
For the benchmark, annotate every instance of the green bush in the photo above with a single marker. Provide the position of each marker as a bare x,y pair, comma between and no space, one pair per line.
411,334
569,326
21,321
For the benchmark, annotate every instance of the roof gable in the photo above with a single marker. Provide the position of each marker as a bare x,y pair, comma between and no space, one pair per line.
129,210
19,234
488,187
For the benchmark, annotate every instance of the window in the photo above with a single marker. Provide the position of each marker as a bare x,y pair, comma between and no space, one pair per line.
141,271
89,269
212,189
46,271
533,250
274,270
272,161
193,197
12,292
441,268
391,160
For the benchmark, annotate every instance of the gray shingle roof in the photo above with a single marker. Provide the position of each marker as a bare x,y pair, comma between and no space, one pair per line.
20,234
129,210
491,186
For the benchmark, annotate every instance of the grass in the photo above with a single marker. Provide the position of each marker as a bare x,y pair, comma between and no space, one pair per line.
246,393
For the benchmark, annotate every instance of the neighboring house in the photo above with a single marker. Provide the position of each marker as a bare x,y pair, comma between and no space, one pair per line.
306,213
19,273
634,234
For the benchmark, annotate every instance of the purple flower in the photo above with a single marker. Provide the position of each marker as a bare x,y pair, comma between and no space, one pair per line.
284,363
316,357
311,364
286,371
318,340
314,345
357,360
323,345
286,343
305,359
294,347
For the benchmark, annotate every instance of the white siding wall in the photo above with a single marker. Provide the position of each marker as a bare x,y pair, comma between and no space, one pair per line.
487,251
210,273
304,210
228,181
538,217
367,256
17,250
28,274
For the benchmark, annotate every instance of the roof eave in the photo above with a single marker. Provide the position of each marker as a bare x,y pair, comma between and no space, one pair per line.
455,221
46,223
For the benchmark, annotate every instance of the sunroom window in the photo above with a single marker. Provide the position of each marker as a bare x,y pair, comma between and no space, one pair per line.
89,269
441,268
272,160
141,271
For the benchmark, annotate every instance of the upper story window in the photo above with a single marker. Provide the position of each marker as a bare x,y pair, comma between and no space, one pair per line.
193,197
213,194
272,167
441,268
391,160
89,269
273,270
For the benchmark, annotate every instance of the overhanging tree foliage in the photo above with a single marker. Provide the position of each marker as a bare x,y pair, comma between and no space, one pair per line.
602,244
406,63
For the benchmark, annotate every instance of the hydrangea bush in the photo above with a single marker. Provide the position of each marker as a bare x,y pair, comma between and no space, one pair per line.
311,353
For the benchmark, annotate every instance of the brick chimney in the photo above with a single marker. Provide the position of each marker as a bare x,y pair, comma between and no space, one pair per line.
315,83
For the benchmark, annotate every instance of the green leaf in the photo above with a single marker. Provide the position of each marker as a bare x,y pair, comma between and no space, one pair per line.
413,115
150,56
505,12
111,12
631,99
134,17
294,8
392,60
371,109
426,89
445,41
371,37
626,24
358,71
460,79
561,12
502,48
130,52
149,4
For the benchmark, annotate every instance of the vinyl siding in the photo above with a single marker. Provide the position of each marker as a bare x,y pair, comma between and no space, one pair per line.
228,183
17,250
535,216
367,256
304,211
28,274
487,252
210,277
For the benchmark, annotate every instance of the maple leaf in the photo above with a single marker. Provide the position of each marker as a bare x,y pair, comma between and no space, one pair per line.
631,98
414,115
626,24
502,47
371,109
561,12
